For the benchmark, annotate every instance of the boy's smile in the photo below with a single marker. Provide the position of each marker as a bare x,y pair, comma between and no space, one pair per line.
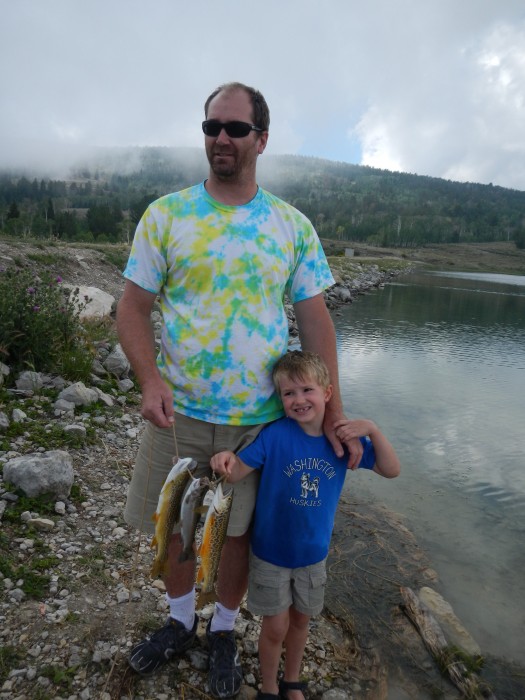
304,400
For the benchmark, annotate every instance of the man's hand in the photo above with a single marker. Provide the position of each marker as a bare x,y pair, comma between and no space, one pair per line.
352,444
317,334
157,403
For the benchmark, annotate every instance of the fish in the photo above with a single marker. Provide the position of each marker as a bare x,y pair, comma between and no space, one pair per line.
190,515
213,538
168,511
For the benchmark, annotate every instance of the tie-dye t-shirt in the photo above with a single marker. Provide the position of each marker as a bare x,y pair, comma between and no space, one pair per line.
222,272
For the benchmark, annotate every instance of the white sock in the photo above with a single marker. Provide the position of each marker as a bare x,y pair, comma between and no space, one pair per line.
223,618
183,608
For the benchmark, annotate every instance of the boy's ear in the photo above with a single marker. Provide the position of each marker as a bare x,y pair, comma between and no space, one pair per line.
328,393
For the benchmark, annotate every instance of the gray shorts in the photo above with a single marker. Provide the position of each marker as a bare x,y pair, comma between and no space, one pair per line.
273,589
200,441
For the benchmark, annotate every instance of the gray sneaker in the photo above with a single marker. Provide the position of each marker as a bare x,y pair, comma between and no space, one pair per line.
154,651
225,671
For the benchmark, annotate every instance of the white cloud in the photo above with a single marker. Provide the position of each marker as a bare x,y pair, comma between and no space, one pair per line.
433,87
460,116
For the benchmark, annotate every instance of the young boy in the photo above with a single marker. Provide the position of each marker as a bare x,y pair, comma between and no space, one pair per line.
301,481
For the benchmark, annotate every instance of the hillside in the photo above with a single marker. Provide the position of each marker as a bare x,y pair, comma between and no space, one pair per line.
103,198
502,257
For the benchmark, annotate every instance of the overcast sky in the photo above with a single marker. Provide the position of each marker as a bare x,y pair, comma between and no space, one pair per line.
433,87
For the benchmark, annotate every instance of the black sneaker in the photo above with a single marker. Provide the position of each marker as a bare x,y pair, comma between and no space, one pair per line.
225,674
170,640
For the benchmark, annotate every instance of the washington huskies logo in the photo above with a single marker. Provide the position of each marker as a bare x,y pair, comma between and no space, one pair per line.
307,485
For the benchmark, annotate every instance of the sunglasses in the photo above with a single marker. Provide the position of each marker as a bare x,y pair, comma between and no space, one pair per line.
235,130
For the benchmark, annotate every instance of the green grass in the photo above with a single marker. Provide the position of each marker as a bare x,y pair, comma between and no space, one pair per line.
44,505
48,436
94,564
33,571
35,584
100,329
387,264
47,259
62,678
117,256
121,551
454,654
10,659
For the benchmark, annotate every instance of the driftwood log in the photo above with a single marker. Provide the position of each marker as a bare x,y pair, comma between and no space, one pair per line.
434,639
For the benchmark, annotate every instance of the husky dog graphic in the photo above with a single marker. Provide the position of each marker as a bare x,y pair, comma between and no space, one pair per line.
307,485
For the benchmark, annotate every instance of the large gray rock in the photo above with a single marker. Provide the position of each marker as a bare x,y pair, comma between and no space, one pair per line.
117,363
79,394
343,294
97,303
4,372
4,421
452,628
105,398
37,474
29,381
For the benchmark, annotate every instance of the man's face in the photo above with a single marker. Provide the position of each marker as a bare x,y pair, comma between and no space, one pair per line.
233,159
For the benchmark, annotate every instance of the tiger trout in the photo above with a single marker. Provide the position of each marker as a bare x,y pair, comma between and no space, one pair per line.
190,515
168,511
213,537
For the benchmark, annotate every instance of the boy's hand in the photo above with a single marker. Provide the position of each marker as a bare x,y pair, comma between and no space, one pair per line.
355,451
222,463
352,444
347,429
349,432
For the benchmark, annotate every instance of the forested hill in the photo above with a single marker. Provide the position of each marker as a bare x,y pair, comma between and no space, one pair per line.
103,198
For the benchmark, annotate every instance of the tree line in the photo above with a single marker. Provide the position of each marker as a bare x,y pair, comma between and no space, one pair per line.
103,200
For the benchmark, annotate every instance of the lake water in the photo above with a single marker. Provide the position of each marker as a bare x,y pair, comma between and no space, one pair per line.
438,361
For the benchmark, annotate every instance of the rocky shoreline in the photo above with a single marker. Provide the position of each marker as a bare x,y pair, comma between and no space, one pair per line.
75,589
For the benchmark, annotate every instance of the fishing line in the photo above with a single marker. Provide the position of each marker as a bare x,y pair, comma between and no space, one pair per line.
175,441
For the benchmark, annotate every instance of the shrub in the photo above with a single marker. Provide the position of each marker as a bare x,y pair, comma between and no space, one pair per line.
40,325
519,240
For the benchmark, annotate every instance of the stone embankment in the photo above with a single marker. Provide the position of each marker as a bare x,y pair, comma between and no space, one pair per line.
352,279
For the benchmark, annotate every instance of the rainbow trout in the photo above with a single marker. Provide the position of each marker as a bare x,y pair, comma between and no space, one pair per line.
213,537
168,511
190,515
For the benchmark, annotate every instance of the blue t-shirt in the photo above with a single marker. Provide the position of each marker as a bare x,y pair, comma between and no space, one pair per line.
301,481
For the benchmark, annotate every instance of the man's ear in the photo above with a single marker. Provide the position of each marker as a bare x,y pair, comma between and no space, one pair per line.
261,144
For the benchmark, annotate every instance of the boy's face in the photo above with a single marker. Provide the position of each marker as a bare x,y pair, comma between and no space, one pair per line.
304,400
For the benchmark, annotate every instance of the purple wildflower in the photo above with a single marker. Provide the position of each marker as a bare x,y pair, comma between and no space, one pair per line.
31,290
36,308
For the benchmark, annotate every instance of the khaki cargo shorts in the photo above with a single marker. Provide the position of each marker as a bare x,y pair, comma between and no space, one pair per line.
273,589
200,441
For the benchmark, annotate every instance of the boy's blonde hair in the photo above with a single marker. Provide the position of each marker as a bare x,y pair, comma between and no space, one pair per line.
301,365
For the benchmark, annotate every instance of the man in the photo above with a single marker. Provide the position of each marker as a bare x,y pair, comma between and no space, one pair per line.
220,256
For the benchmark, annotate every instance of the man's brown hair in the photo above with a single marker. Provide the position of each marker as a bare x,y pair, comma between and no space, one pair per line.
261,112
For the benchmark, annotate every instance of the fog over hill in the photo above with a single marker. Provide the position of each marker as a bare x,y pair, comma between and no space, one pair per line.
344,201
